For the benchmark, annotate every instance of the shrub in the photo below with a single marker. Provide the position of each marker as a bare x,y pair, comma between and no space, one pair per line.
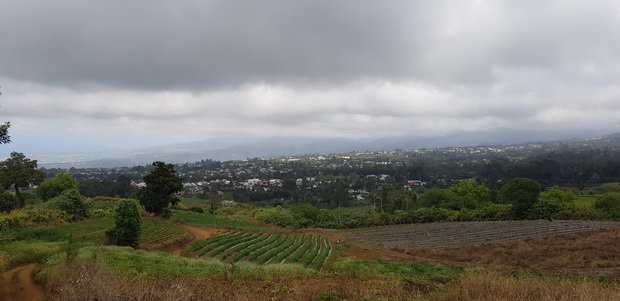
127,229
69,201
7,201
32,216
609,203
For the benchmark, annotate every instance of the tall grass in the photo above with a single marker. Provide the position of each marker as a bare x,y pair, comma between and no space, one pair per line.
485,285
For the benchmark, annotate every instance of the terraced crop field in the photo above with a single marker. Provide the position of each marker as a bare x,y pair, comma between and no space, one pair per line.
265,248
457,234
154,230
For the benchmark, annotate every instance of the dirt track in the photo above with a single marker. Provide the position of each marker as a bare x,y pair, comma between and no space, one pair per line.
17,284
197,233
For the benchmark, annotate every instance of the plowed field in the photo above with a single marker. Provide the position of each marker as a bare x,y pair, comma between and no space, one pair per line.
458,234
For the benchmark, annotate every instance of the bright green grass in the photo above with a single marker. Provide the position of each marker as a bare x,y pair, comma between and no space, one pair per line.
207,220
154,231
162,265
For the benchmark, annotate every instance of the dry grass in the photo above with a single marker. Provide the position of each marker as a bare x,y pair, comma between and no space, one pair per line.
4,262
89,281
593,253
483,286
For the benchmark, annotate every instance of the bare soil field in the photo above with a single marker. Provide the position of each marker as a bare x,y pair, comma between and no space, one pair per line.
458,234
574,247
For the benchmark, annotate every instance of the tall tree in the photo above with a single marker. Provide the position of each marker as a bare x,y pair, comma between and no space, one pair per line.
19,172
161,184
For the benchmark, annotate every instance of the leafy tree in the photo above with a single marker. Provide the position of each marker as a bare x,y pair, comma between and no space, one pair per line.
4,132
521,192
609,203
473,194
558,195
69,201
56,185
19,172
127,227
161,183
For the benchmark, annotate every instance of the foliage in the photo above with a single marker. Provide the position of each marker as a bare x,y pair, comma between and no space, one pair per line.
522,193
277,216
609,203
69,201
32,216
161,183
557,195
19,172
4,133
7,200
56,185
126,231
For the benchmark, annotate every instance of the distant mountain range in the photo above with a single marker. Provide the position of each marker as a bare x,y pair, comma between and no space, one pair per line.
240,148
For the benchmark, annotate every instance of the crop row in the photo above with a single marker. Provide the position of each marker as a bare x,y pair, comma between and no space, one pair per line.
156,231
308,250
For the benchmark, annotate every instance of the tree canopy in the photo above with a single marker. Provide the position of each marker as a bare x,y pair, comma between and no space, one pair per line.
19,172
4,132
56,185
522,193
161,184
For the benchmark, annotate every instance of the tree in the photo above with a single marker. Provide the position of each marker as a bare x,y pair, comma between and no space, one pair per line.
56,185
127,224
556,194
161,183
522,193
19,172
4,132
473,194
609,203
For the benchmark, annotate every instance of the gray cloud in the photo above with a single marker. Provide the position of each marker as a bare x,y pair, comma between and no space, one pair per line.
187,70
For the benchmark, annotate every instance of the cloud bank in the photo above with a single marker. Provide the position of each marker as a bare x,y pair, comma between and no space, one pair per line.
92,76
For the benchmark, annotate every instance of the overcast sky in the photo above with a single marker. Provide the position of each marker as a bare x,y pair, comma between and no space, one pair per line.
80,76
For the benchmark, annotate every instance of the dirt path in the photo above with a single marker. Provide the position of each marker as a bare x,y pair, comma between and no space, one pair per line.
197,233
17,284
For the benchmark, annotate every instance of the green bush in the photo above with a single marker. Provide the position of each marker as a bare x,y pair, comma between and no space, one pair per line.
545,208
127,229
32,216
609,203
10,222
69,201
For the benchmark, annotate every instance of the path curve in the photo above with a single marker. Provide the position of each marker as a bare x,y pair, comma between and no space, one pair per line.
17,284
197,233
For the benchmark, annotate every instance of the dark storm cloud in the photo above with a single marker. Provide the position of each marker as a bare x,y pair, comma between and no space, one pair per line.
204,44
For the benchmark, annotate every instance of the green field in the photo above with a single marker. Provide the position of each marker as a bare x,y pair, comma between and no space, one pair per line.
207,220
154,230
310,251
